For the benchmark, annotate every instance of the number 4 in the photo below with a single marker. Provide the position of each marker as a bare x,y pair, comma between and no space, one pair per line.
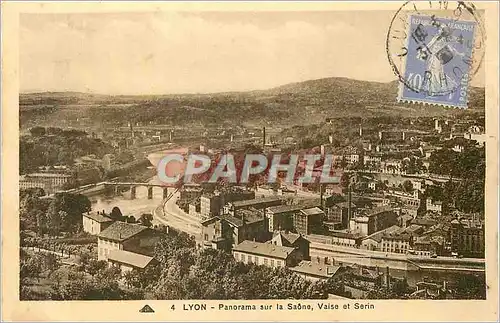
172,307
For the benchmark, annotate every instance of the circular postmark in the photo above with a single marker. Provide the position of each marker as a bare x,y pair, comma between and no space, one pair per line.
436,47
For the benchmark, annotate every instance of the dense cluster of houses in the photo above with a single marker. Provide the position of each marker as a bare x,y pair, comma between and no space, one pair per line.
381,211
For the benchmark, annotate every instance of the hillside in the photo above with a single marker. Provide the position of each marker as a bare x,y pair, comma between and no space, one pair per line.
296,103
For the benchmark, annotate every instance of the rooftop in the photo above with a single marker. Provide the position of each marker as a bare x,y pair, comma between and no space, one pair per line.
289,238
316,269
231,219
47,175
247,203
343,234
345,205
121,231
98,217
377,236
413,227
377,210
286,208
250,216
129,258
423,222
312,211
264,249
396,236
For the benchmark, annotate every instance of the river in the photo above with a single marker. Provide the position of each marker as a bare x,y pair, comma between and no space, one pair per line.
135,207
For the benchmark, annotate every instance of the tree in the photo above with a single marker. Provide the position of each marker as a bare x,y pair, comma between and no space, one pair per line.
31,266
471,287
130,219
50,262
57,277
116,214
400,287
94,266
343,163
41,222
408,186
37,131
74,205
146,219
69,284
56,219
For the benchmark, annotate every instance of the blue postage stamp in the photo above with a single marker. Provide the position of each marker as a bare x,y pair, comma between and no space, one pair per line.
438,61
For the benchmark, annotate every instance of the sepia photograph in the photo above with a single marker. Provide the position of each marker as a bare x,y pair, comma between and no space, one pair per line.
225,158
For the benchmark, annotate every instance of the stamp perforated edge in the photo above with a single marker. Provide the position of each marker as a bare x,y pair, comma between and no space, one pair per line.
400,97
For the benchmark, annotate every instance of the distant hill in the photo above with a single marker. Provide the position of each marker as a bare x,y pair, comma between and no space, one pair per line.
296,103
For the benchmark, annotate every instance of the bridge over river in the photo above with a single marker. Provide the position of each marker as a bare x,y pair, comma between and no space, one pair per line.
118,187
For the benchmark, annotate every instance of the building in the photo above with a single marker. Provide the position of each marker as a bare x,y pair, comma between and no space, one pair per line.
210,205
392,166
237,194
281,217
372,161
258,203
318,269
414,229
225,231
128,261
359,280
338,216
477,134
373,185
126,236
94,223
50,182
309,221
26,183
436,206
467,237
405,218
293,240
407,199
346,239
428,245
191,192
266,254
396,242
374,220
374,240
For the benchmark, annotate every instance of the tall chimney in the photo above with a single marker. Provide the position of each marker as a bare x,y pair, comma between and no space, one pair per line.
263,137
349,209
321,188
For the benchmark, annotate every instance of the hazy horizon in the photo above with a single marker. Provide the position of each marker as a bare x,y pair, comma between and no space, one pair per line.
200,52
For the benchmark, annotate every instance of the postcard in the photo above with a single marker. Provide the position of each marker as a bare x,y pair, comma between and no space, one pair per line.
250,161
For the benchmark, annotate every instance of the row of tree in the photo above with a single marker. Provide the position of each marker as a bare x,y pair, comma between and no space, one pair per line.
91,280
187,273
57,150
470,167
63,213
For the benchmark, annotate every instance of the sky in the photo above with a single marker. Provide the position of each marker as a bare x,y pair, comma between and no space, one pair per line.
198,52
